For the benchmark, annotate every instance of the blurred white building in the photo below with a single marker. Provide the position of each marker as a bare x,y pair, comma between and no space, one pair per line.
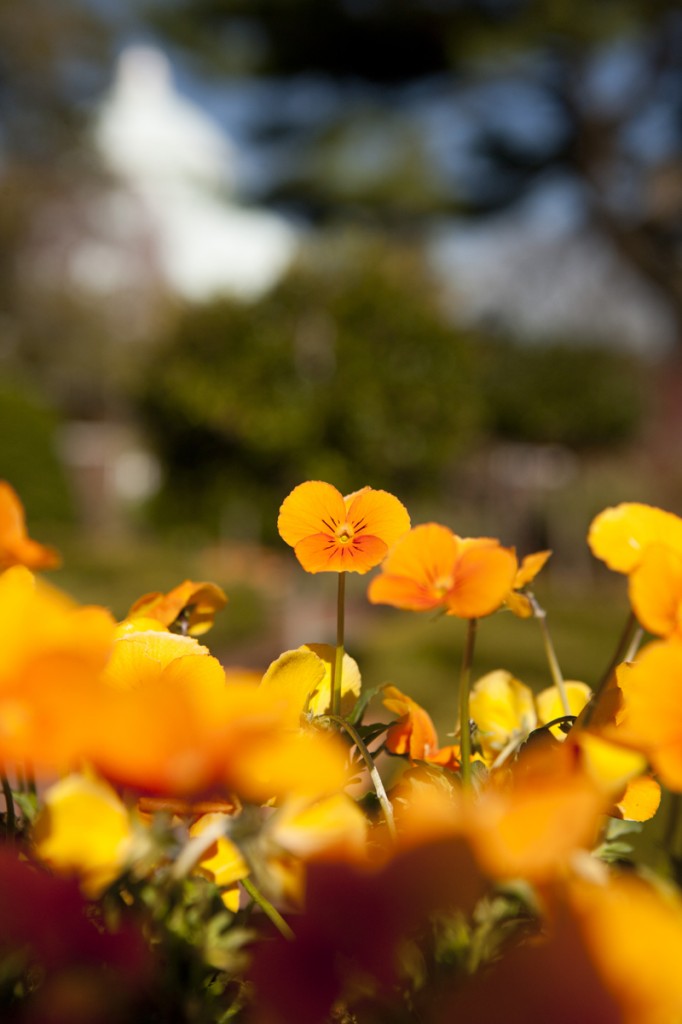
175,198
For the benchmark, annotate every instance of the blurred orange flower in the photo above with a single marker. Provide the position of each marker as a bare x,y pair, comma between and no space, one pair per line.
650,716
52,654
655,589
531,822
189,607
330,533
16,547
181,728
431,567
623,941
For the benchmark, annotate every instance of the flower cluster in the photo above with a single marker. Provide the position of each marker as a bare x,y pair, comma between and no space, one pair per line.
185,842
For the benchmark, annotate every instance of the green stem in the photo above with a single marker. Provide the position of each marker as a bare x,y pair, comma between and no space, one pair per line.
464,688
337,668
540,615
627,638
11,820
373,773
266,906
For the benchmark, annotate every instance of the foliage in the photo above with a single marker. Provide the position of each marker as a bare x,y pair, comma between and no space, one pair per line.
29,454
568,394
322,379
327,378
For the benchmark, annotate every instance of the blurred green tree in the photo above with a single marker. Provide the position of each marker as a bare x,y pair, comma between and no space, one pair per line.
558,393
348,371
29,455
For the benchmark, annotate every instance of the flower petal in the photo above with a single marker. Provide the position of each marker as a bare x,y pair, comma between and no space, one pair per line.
484,576
323,553
414,734
16,547
619,535
656,589
84,828
530,567
550,706
641,799
293,679
426,554
199,602
501,706
351,683
401,592
378,514
312,508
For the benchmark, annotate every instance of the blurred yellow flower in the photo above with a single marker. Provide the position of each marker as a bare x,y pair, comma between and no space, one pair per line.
52,654
302,679
222,862
619,536
298,833
655,589
506,711
84,829
650,716
503,709
140,656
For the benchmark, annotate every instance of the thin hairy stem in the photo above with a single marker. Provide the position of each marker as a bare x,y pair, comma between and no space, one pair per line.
337,668
377,782
540,615
266,906
464,693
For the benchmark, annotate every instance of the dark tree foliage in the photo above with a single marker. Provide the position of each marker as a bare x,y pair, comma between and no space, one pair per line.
351,377
354,376
625,152
580,397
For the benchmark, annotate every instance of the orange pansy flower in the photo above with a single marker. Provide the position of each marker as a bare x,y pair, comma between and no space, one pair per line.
330,533
414,733
431,567
191,606
16,547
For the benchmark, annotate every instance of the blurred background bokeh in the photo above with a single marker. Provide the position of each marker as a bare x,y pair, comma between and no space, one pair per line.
434,246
